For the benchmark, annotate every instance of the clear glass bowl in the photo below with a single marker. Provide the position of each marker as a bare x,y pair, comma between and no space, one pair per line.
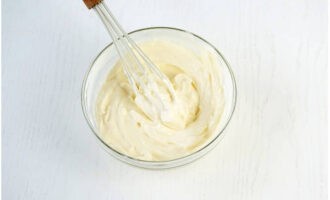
107,58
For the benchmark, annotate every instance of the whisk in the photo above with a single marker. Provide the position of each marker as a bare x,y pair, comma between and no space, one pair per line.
141,72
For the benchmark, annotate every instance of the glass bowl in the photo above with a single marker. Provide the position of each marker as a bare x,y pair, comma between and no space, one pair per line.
107,58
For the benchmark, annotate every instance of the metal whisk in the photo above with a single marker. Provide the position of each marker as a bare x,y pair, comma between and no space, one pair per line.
139,69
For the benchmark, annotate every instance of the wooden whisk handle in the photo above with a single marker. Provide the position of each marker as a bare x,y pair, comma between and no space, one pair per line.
91,3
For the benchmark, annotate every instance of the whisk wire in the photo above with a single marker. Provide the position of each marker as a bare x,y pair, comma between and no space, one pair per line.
131,55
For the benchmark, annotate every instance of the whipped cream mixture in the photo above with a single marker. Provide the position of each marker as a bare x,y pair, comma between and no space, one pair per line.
132,126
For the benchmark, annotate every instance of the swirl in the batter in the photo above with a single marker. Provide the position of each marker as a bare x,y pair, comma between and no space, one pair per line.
126,122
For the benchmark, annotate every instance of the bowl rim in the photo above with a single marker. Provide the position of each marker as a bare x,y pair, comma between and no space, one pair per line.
122,156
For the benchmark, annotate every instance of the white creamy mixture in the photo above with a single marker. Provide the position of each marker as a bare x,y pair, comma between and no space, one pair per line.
128,123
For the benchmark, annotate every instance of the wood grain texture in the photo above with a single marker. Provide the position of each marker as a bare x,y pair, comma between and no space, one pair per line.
274,147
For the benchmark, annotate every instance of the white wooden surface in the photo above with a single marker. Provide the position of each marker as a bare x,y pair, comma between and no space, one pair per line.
274,147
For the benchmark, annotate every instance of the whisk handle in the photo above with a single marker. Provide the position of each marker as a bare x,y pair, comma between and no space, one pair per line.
91,3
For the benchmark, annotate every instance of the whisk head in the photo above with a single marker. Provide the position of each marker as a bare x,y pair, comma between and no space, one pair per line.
149,85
